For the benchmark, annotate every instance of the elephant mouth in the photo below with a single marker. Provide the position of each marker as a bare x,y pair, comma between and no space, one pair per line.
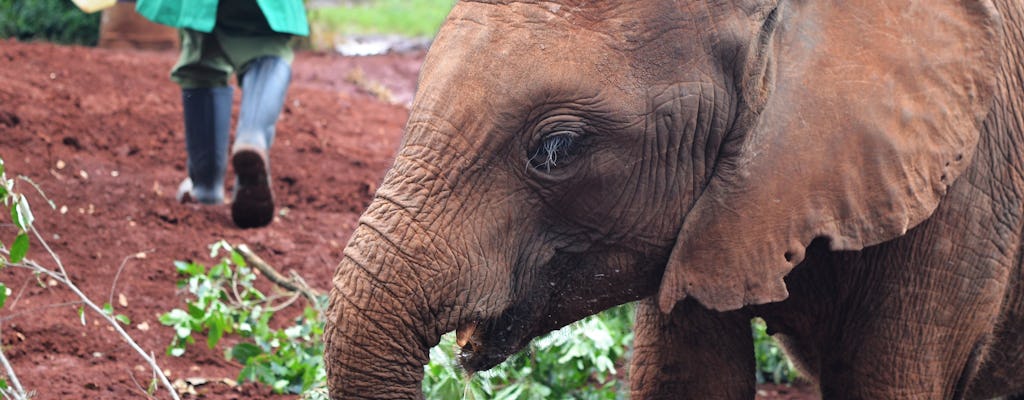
486,343
479,351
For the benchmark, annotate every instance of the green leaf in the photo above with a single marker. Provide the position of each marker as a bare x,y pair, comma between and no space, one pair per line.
280,385
216,247
176,351
195,311
513,391
123,319
19,248
242,352
154,384
4,292
108,309
237,258
81,315
15,218
183,331
174,317
188,268
216,331
3,382
221,270
23,212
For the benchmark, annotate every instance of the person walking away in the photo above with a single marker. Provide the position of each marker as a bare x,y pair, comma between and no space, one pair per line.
251,38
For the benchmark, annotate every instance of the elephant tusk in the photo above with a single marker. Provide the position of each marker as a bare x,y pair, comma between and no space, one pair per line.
465,332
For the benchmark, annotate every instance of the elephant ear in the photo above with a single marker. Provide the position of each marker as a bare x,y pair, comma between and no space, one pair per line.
875,108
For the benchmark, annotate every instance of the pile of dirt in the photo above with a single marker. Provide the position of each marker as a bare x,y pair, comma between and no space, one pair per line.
100,132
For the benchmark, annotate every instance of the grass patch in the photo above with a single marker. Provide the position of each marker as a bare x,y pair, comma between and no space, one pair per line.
403,17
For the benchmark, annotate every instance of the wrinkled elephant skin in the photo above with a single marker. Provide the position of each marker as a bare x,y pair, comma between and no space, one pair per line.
850,171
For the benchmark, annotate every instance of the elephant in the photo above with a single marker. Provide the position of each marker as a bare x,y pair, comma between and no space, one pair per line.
851,171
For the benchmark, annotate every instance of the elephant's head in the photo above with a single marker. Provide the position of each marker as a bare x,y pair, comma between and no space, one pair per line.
566,156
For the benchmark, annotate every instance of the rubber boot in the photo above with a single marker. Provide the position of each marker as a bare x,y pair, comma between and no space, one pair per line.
264,85
207,127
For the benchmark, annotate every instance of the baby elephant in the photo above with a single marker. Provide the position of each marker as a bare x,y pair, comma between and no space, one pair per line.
852,171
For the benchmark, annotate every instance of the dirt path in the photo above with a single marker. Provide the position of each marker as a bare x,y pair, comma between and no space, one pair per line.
100,132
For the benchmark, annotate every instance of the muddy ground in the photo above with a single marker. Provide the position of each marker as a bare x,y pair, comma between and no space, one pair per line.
100,132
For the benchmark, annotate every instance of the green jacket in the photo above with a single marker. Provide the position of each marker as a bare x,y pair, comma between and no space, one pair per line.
284,16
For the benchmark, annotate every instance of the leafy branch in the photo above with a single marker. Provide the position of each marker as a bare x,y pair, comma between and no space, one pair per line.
226,301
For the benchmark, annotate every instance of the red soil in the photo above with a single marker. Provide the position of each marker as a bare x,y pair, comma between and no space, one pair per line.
100,132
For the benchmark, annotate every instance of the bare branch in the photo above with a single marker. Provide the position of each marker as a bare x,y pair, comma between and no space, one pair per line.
124,262
294,284
60,275
18,392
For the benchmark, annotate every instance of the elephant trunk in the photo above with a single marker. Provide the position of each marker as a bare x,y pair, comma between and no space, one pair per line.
383,315
372,349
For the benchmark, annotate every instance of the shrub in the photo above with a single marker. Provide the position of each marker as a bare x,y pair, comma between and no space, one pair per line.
579,361
52,20
772,363
576,362
225,301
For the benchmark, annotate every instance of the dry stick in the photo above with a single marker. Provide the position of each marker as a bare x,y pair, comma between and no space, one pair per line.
14,304
293,285
124,262
62,277
131,374
19,392
36,309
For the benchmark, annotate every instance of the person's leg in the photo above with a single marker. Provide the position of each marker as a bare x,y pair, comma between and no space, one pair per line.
207,124
202,72
264,85
264,76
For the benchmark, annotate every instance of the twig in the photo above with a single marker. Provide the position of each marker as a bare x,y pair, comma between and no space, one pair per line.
284,304
19,392
293,285
44,307
38,190
124,262
319,307
61,276
131,374
17,298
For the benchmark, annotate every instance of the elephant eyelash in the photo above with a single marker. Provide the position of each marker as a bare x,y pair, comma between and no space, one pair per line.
554,149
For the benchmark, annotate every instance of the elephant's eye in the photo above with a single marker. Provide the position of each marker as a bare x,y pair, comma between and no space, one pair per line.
555,149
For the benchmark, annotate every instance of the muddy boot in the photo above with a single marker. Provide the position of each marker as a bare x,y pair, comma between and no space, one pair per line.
263,91
207,125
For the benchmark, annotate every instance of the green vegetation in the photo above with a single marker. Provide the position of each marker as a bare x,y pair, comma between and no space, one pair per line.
577,362
404,17
51,20
21,216
581,361
226,301
772,364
